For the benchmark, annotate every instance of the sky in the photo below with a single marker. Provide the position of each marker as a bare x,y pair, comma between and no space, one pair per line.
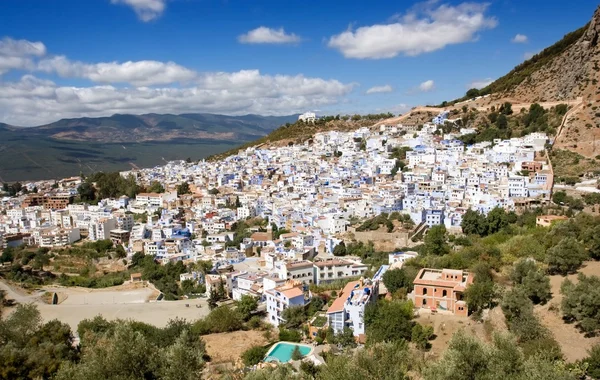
74,58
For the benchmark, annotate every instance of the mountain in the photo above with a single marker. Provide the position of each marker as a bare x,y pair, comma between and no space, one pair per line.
120,128
567,72
121,142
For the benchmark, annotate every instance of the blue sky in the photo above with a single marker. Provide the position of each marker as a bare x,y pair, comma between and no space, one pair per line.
72,58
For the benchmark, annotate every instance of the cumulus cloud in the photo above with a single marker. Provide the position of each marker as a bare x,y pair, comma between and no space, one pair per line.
17,54
34,101
146,10
161,87
480,83
379,89
139,73
519,39
264,35
424,29
427,86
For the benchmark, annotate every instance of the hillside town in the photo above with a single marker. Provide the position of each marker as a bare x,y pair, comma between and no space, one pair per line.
306,198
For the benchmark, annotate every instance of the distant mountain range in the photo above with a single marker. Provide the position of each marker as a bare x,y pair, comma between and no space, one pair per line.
120,128
120,142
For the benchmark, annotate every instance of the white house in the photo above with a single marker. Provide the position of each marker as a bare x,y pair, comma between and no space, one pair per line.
290,294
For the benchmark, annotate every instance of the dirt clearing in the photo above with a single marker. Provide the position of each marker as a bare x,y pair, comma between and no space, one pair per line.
573,343
228,347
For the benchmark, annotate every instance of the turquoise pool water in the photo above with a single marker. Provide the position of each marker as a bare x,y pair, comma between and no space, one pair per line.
282,351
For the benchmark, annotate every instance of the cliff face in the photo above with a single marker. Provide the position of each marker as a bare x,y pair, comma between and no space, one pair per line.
582,132
570,75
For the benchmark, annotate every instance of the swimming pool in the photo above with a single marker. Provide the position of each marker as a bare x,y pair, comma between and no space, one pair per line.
282,351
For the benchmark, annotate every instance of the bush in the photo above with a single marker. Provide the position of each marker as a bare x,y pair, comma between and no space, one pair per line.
254,355
289,335
221,319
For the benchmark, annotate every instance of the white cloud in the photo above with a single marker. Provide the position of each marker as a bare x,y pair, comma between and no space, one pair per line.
480,83
424,29
264,35
146,10
139,73
427,86
519,39
17,54
379,89
34,101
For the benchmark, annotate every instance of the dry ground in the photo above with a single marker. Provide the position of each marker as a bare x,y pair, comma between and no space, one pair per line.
445,325
228,347
573,343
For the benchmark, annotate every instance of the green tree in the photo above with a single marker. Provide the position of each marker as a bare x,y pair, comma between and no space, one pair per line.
294,316
346,338
296,354
156,187
183,360
581,302
497,219
534,282
593,362
340,249
396,279
390,321
565,257
421,335
473,222
436,241
183,188
382,361
254,355
483,293
247,305
87,192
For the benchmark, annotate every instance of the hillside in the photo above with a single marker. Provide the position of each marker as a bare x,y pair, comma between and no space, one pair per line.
121,142
569,72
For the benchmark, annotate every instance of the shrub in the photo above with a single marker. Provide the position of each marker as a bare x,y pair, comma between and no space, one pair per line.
254,355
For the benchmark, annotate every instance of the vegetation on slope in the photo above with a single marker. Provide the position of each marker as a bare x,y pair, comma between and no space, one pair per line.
524,70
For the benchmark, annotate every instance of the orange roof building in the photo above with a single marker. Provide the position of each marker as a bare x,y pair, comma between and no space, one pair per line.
442,289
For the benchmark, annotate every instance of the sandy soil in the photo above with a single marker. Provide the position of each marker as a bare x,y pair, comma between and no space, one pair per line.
228,347
573,343
121,302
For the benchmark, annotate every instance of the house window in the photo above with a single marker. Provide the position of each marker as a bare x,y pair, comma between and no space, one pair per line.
424,301
444,293
424,291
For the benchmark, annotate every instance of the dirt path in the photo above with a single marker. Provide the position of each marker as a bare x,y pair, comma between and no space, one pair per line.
479,107
574,344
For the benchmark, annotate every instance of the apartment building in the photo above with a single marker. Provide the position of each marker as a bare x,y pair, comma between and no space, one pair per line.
336,269
151,199
348,309
100,229
442,289
301,271
59,237
292,293
55,202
